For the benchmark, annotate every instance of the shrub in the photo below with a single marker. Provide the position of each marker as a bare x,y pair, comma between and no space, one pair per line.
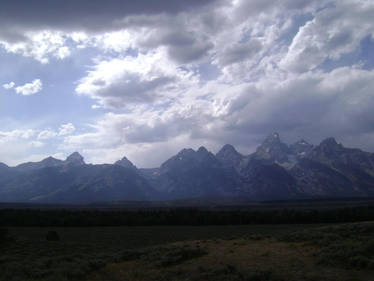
128,255
177,255
260,275
52,236
3,234
359,261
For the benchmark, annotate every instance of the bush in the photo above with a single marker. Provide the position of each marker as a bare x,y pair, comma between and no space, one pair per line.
3,234
180,256
52,236
128,255
174,255
261,275
346,245
359,261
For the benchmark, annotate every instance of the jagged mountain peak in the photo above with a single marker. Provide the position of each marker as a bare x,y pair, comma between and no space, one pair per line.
274,137
202,149
329,146
229,156
186,151
190,158
50,162
302,142
330,151
75,154
330,142
203,155
227,149
272,149
185,154
189,153
274,171
50,159
124,162
75,158
270,141
3,165
46,162
301,148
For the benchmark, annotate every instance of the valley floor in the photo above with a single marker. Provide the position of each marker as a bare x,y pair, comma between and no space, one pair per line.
238,259
253,252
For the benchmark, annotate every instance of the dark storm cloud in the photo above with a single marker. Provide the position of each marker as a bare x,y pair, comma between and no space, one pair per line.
183,44
132,90
85,14
160,23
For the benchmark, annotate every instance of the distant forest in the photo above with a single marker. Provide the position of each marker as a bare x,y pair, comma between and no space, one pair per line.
180,216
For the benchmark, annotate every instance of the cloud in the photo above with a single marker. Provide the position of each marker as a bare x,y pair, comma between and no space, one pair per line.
66,129
239,52
22,145
40,45
172,24
120,82
334,31
46,134
18,145
69,15
312,106
30,88
15,134
144,140
184,41
37,144
62,52
174,74
143,155
27,89
9,85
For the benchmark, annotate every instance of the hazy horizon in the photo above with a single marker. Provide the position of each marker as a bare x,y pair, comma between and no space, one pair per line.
174,153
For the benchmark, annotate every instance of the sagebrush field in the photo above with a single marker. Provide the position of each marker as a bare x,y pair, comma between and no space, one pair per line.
242,252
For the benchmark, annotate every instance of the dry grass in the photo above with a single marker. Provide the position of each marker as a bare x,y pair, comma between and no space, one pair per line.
238,259
341,252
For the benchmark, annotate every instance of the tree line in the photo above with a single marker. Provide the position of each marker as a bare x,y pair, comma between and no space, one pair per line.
86,218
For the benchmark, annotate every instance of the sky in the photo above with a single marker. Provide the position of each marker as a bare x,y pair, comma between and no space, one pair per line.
145,79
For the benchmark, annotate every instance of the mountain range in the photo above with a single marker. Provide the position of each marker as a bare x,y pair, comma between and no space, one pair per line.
275,171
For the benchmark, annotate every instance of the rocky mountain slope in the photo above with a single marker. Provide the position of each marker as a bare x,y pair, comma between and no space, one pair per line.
274,171
72,181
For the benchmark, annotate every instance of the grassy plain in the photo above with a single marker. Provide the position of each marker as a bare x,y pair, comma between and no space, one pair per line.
243,252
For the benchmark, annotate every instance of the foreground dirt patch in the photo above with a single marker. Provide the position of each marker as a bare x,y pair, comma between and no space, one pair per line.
238,259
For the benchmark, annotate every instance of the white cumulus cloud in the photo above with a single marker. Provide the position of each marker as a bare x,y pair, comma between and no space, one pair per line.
39,45
9,85
66,129
30,88
63,130
149,78
333,32
225,72
46,134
